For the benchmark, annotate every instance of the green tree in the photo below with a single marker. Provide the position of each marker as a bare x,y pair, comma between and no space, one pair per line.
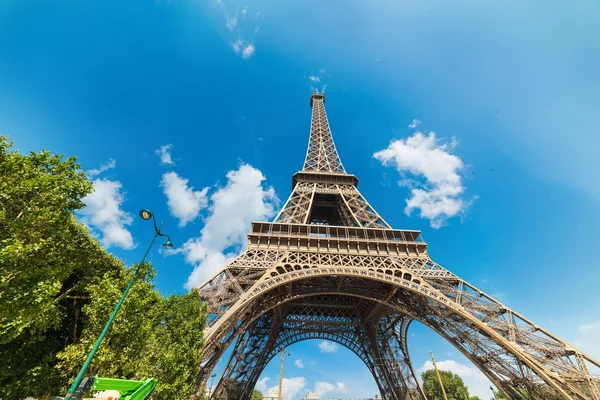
58,286
151,335
256,395
453,384
47,259
499,396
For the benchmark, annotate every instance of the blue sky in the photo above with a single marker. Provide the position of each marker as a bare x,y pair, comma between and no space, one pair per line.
226,84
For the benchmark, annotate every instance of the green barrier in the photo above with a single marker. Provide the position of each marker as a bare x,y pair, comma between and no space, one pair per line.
128,389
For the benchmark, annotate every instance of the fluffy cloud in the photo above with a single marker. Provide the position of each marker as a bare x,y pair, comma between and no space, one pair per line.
328,347
103,213
261,385
103,168
184,202
587,340
474,379
341,387
298,363
231,23
164,152
322,388
232,208
315,80
290,387
414,124
235,22
433,176
248,51
237,45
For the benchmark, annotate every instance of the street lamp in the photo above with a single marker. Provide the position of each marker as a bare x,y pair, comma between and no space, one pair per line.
145,215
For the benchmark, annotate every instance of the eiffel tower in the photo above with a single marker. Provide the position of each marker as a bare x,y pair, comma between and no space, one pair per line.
330,267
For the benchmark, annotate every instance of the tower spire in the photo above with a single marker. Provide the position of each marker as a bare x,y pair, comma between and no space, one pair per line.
321,155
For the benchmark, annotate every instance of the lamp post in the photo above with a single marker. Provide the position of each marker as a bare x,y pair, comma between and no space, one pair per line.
280,395
145,215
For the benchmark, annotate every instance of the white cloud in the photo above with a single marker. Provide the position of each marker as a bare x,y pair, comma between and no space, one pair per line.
474,379
243,45
231,23
248,51
103,213
237,45
327,347
103,168
439,196
290,387
587,340
164,152
261,385
184,202
316,80
341,387
414,124
206,266
232,209
298,363
322,388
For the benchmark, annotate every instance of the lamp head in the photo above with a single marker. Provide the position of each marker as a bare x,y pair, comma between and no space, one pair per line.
168,244
146,214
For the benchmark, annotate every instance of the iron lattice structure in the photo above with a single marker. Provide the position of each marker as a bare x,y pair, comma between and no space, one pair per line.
329,267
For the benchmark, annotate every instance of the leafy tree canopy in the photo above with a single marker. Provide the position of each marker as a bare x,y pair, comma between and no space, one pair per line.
58,287
453,384
499,396
256,395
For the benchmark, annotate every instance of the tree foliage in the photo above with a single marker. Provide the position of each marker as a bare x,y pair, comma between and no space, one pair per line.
453,384
151,335
499,396
256,395
58,286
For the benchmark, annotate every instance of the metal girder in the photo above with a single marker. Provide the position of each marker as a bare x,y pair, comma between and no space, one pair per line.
321,155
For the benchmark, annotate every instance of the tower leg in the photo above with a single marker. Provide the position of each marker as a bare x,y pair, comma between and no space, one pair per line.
242,370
